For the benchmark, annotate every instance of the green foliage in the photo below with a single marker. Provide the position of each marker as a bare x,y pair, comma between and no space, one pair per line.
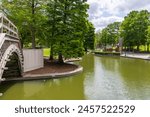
148,35
60,25
66,24
133,28
98,41
89,41
113,33
28,16
104,37
109,35
148,38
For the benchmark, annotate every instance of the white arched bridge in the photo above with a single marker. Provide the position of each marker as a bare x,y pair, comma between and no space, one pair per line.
11,58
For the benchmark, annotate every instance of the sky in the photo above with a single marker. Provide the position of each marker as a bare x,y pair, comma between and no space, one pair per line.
103,12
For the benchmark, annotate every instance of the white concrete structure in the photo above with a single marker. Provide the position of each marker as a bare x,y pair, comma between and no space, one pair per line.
9,44
33,59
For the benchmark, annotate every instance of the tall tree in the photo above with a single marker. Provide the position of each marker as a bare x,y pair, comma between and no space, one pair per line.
70,18
53,24
98,42
104,37
113,33
127,29
89,41
27,15
148,38
134,27
109,35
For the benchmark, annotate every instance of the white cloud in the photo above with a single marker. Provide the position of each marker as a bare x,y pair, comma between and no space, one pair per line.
103,12
102,22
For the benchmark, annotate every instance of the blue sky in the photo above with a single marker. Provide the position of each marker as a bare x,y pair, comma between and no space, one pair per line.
104,12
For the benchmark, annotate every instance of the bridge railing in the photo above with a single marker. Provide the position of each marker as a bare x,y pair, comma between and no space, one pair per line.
6,26
9,42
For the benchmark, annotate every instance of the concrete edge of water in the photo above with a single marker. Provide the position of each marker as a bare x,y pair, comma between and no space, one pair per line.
31,77
130,57
135,58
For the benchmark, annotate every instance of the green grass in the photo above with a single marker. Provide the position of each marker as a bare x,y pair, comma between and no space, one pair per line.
142,48
46,52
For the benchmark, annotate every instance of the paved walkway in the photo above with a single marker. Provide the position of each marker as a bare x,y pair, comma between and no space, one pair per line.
136,55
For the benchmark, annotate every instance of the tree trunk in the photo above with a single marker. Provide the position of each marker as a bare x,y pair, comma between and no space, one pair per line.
51,58
125,50
130,49
33,37
85,49
147,47
60,58
105,47
32,25
138,48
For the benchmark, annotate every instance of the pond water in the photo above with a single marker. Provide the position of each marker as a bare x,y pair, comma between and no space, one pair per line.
103,78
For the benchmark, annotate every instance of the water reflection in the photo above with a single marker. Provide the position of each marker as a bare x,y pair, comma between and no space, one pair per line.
119,78
106,83
102,78
136,75
68,88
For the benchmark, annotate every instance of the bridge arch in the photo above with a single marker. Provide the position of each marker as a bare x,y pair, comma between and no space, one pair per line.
11,51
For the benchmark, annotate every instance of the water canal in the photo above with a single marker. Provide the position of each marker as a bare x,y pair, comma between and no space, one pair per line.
103,78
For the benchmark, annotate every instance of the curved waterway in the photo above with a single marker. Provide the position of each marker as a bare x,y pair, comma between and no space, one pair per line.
103,78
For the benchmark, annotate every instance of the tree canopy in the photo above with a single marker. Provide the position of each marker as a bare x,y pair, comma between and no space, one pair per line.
61,25
109,35
134,27
28,16
134,30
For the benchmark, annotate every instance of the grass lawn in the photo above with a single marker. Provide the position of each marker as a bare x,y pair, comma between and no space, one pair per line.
142,48
46,52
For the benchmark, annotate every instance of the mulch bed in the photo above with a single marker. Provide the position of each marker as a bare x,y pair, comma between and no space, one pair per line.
53,67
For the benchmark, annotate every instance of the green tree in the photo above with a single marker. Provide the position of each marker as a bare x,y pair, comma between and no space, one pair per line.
109,35
104,37
98,39
53,24
70,17
27,15
113,33
133,28
89,41
148,38
127,29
